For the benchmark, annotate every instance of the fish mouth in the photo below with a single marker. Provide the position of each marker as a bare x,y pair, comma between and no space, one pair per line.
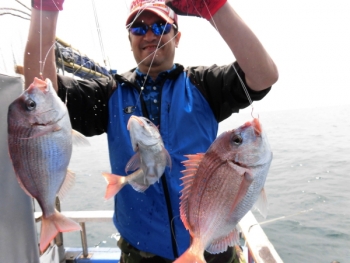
240,164
146,145
134,118
38,83
256,125
39,124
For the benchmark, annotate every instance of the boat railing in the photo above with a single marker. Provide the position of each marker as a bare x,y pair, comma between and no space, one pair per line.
260,249
259,246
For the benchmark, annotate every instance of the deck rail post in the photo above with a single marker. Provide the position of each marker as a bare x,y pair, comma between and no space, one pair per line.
84,240
59,237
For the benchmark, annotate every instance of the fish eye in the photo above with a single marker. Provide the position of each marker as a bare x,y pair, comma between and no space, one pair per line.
237,139
30,104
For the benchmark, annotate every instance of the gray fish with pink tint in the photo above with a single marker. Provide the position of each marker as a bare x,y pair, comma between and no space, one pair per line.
40,139
149,161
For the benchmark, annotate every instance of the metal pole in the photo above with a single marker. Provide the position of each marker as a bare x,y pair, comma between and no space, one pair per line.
59,236
84,240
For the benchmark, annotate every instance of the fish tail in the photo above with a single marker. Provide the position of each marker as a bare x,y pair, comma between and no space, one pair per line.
115,183
51,226
189,257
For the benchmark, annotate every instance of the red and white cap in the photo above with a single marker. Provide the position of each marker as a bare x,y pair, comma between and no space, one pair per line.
158,7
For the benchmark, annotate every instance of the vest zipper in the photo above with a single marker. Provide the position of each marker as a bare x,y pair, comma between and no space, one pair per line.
164,181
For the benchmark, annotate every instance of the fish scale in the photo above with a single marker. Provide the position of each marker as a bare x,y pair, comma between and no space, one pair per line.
51,184
218,209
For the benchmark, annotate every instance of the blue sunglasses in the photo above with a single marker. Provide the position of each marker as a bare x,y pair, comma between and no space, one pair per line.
158,28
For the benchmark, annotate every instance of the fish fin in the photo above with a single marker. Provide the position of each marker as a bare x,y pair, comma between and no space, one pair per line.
220,245
79,139
187,182
51,226
22,186
261,203
115,183
193,160
188,257
245,183
68,183
134,163
191,255
138,187
168,158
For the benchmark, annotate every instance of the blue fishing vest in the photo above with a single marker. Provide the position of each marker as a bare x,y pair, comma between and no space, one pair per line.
150,221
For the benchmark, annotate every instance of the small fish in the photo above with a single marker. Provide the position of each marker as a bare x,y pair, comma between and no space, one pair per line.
148,163
40,140
221,186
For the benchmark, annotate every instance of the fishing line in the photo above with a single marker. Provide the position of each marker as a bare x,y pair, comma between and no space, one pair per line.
41,62
149,68
40,40
280,218
13,56
315,208
99,34
172,230
245,91
3,59
139,12
159,48
153,53
243,85
53,1
2,9
206,6
23,5
239,77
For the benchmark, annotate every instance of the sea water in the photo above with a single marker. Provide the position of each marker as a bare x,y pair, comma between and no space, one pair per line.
307,185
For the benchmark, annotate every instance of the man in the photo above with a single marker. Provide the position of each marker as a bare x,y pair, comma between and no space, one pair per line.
186,104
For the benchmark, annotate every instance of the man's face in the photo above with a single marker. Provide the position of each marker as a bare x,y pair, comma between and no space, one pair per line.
153,51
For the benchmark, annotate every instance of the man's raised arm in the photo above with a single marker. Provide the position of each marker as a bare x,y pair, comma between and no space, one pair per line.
260,70
39,55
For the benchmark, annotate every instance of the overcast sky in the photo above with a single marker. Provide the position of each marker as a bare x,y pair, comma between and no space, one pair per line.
308,40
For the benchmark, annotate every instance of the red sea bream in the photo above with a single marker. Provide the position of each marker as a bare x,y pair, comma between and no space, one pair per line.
40,140
221,186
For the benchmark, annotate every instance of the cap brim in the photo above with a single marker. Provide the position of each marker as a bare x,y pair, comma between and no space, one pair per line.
155,11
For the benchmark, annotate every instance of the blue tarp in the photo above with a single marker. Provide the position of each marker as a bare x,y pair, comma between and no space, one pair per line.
70,55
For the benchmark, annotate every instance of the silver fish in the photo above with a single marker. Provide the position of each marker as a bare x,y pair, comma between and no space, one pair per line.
40,146
150,159
221,186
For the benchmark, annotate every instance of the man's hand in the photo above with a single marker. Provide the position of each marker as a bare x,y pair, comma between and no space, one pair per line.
48,5
201,8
